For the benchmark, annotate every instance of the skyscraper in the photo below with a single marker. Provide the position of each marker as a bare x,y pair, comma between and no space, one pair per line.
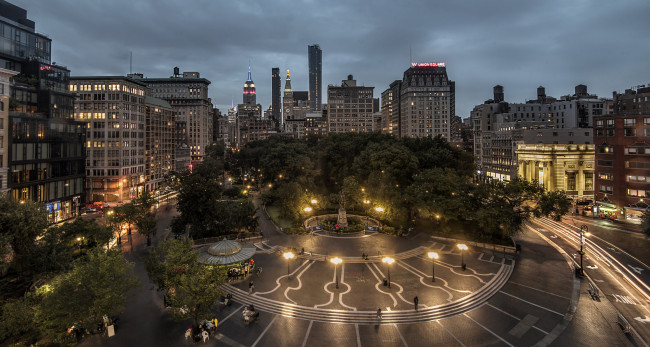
350,107
427,101
250,97
287,109
315,77
276,97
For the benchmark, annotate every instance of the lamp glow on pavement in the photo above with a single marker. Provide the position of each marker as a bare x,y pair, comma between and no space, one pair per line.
388,260
336,260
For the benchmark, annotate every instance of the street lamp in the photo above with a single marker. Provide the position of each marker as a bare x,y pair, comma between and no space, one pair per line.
314,201
307,209
584,231
288,256
388,261
463,248
379,209
336,261
433,256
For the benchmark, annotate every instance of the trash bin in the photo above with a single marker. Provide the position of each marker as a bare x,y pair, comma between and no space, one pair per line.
385,282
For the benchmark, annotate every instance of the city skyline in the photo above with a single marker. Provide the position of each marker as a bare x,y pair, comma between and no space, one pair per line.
529,44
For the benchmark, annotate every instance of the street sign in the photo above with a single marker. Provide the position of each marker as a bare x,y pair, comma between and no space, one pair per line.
371,228
319,227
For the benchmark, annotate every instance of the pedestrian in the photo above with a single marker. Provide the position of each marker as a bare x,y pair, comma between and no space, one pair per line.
379,313
415,301
250,288
205,336
188,334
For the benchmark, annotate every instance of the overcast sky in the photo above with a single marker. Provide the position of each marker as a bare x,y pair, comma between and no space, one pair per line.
516,43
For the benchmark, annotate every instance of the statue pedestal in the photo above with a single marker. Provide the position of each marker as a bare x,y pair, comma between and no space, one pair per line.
342,219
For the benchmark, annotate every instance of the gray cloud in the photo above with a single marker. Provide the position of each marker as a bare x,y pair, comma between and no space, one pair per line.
518,44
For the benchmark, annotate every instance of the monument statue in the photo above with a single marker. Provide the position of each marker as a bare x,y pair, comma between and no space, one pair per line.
342,218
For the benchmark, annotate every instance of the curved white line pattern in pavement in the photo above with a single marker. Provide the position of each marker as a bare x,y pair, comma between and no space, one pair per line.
342,282
277,281
286,291
452,269
327,291
417,272
379,283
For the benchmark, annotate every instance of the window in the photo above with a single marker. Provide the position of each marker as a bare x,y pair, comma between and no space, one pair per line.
600,132
610,122
610,132
606,149
637,165
629,122
646,121
630,132
605,176
638,193
605,163
638,178
599,123
570,181
605,189
589,180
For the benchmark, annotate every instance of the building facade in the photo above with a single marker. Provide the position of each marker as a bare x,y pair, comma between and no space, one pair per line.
5,92
622,165
349,107
43,145
187,93
159,142
427,101
559,167
114,110
315,57
287,100
276,97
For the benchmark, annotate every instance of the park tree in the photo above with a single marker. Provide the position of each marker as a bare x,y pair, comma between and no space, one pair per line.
146,225
20,224
191,288
96,285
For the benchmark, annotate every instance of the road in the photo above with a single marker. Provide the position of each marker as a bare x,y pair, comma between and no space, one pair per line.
620,277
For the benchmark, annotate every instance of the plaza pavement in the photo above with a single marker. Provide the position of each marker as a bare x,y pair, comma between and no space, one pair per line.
533,305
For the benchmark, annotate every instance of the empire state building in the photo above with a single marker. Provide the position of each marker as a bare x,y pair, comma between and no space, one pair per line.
250,98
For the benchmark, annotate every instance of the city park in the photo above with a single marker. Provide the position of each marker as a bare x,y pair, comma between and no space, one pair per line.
357,206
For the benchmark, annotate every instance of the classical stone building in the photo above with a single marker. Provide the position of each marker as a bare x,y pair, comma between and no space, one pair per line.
568,167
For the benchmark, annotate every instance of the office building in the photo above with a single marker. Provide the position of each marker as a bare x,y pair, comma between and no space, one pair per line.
427,101
315,55
350,107
43,143
5,92
276,97
622,163
187,93
287,100
114,110
159,142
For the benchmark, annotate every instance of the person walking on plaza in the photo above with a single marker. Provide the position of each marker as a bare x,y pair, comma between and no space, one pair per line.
415,301
379,313
250,288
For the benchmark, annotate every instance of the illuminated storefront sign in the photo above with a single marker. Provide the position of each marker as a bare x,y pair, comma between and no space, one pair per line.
428,64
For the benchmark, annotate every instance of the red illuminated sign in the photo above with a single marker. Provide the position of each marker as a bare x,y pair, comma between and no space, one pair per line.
428,64
46,67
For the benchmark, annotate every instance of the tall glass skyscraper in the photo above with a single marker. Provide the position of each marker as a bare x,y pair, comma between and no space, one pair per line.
315,77
276,98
